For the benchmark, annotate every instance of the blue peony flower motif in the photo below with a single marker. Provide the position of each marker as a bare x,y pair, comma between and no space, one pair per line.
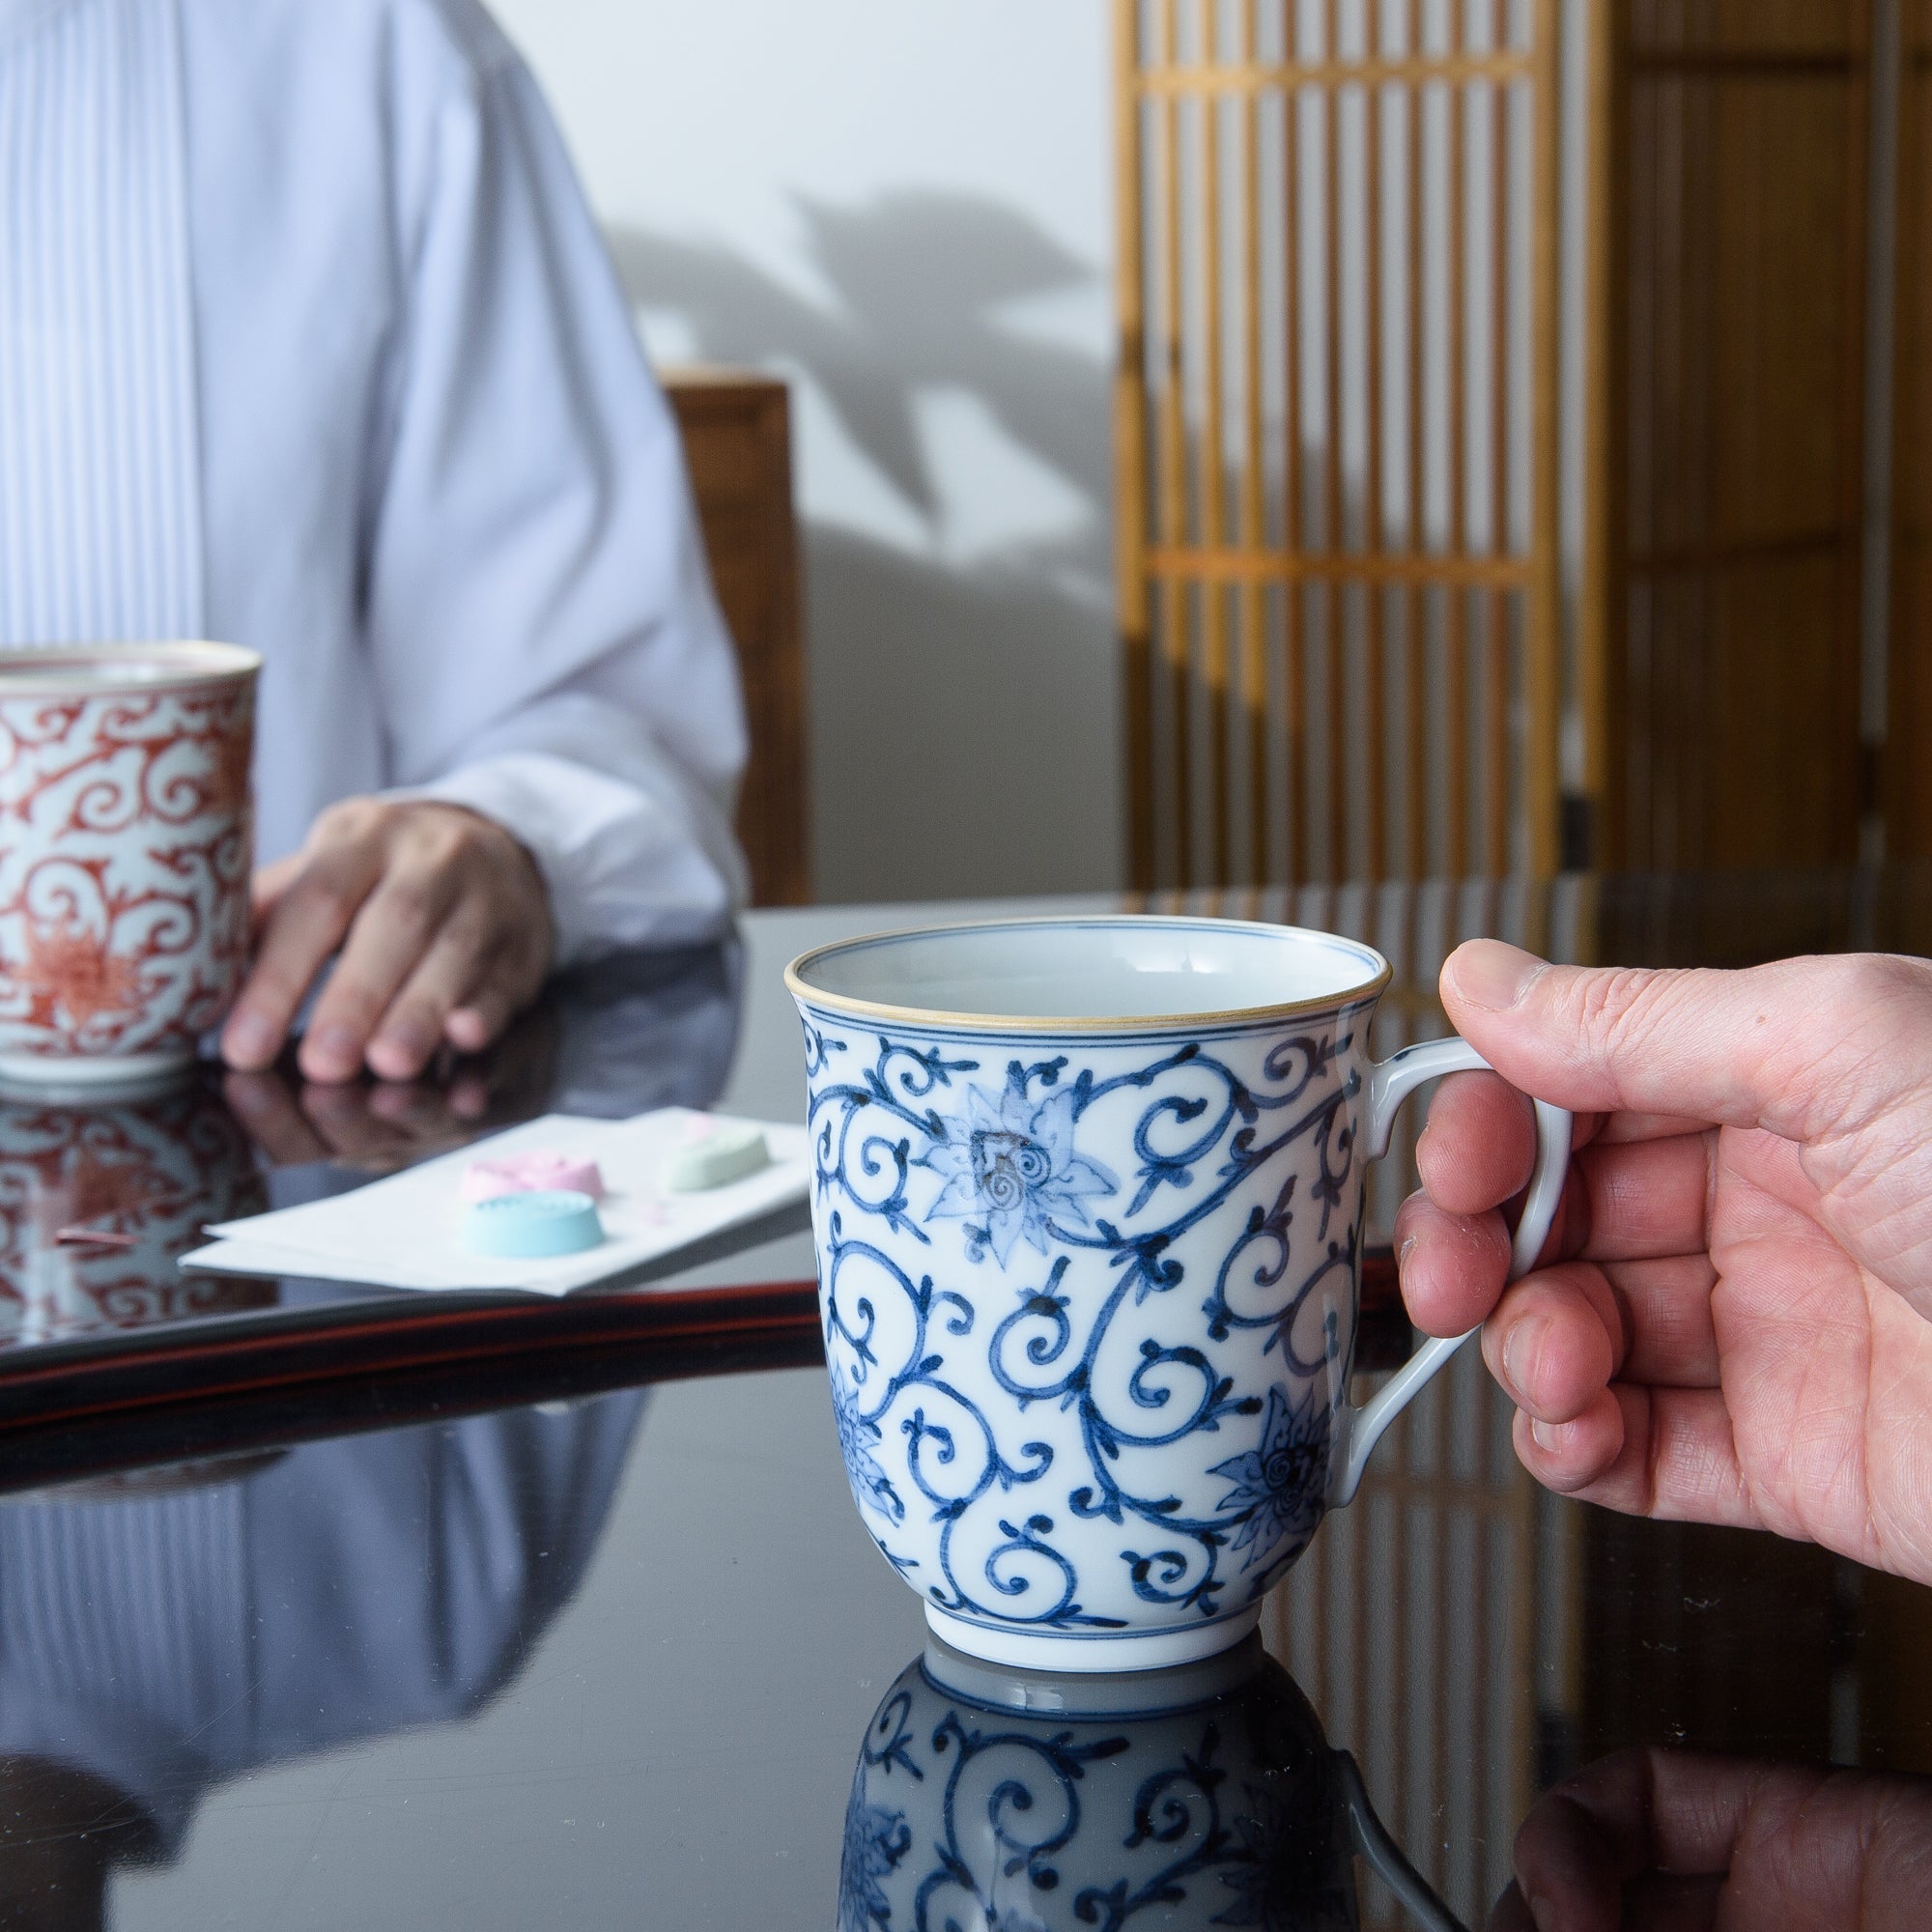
1012,1161
1284,1876
1279,1485
875,1842
856,1436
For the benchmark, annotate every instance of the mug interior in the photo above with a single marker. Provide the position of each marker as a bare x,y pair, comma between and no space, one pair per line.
1108,971
81,670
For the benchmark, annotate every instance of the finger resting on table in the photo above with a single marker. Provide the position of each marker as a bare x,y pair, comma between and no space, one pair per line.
511,984
306,925
393,932
455,963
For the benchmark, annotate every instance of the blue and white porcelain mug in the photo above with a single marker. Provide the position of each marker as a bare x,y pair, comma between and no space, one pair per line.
1087,1202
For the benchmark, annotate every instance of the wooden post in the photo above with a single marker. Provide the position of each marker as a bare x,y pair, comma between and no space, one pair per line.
1544,672
1130,445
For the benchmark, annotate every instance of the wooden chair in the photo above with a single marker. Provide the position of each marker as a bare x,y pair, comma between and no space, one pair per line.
737,439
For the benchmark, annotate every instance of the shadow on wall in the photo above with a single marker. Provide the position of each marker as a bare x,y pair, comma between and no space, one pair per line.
965,737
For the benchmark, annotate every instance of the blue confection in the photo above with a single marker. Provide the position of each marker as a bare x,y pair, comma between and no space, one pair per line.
531,1227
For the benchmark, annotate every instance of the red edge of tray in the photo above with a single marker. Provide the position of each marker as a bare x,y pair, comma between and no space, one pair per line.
343,1344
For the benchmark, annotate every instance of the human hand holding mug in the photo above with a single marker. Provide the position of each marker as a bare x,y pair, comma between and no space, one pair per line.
1731,1325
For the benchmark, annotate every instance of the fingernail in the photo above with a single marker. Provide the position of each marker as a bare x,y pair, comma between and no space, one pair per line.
1519,1348
333,1046
1546,1434
1402,1253
400,1046
1489,974
249,1039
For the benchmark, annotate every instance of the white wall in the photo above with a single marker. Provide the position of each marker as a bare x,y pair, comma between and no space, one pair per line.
904,206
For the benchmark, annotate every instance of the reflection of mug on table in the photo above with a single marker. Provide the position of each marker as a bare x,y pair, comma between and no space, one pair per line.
150,1172
1200,1796
126,842
1087,1198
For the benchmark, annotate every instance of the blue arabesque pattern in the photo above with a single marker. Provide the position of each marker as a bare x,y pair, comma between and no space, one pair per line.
1087,1307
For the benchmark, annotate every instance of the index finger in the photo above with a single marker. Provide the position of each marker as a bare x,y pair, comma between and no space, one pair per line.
1631,1195
302,928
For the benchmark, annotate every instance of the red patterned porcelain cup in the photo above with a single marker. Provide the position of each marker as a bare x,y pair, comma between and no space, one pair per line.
126,841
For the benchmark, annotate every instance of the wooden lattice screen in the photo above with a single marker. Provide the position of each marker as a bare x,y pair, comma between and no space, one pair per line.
1337,437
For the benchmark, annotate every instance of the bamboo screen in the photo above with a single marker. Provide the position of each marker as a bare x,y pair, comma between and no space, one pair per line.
1337,437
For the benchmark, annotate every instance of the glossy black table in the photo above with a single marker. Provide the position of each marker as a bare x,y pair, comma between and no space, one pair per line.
584,1631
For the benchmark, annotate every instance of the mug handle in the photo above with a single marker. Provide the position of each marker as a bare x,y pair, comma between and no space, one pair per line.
1391,1865
1390,1083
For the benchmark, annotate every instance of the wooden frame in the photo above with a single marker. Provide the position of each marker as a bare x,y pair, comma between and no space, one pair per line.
1284,620
1908,770
1719,629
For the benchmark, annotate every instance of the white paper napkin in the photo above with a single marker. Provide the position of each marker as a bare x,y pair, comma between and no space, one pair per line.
405,1231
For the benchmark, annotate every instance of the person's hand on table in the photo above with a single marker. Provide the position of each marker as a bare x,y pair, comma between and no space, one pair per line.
1729,1322
443,929
379,1126
1675,1841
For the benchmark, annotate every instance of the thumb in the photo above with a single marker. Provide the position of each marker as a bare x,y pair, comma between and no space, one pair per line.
1794,1047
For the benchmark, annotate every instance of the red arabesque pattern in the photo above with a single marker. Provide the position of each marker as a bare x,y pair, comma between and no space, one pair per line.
156,1171
126,841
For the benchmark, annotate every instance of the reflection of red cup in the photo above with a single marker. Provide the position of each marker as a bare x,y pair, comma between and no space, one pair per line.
153,1172
126,838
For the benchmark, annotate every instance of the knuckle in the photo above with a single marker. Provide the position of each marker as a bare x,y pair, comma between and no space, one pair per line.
351,821
441,843
332,896
1880,982
410,900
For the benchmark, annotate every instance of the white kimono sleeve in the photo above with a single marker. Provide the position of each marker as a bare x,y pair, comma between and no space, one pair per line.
540,619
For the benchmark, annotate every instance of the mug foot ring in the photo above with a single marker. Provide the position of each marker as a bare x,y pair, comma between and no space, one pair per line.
1149,1650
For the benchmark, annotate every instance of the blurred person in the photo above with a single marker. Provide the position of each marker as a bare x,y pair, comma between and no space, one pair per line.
309,343
1682,1841
167,1633
1729,1322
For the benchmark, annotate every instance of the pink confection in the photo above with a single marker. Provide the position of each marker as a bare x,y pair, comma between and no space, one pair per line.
540,1171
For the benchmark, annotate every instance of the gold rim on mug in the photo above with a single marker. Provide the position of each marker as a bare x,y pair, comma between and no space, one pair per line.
90,671
799,984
